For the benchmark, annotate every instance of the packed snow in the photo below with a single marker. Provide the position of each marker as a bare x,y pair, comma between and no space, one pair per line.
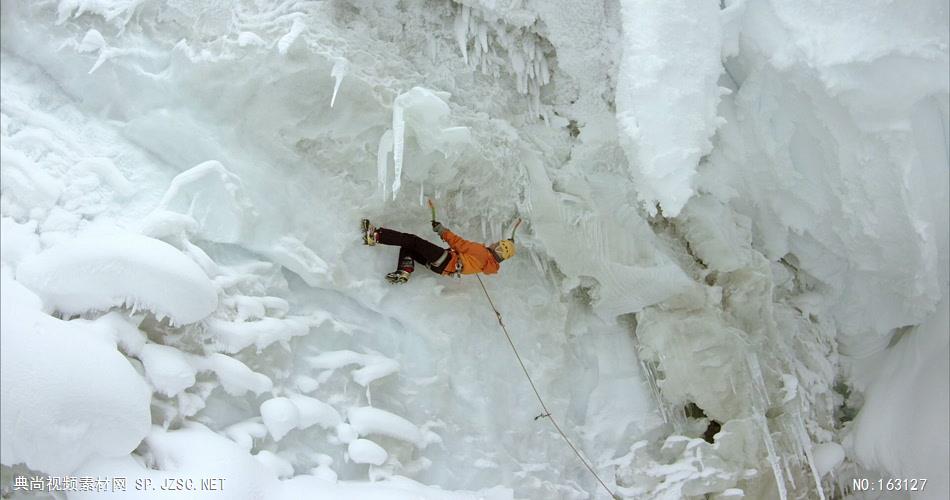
732,280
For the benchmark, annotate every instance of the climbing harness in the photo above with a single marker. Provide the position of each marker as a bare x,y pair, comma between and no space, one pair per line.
545,413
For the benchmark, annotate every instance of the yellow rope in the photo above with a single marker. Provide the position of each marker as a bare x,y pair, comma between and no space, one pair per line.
546,412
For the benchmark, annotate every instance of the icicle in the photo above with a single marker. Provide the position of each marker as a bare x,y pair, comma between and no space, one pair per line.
805,443
773,458
472,22
758,382
461,31
422,197
338,72
517,62
788,473
399,135
478,57
649,368
382,162
483,37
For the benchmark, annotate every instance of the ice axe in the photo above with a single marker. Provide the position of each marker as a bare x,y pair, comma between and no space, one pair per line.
432,207
517,223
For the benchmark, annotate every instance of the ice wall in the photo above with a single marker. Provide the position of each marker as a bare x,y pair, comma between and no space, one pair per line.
834,141
683,246
832,132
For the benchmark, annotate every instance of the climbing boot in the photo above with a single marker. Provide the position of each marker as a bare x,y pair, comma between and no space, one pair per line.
398,277
369,232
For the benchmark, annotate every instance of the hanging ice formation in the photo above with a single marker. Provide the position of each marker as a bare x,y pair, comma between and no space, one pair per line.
382,161
340,67
399,139
425,115
516,40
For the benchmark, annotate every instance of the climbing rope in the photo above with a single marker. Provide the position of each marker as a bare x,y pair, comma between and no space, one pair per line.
544,408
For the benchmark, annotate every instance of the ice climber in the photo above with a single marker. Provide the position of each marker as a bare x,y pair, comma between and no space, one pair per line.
462,256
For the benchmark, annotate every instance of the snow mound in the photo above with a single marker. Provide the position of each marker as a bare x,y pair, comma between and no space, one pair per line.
283,414
906,405
236,378
68,394
244,433
97,273
280,416
368,420
312,411
364,451
19,241
233,336
275,464
167,368
195,453
374,366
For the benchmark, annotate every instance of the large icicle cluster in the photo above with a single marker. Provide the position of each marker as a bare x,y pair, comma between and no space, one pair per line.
505,40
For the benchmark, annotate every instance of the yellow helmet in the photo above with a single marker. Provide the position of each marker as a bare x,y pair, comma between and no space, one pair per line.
505,249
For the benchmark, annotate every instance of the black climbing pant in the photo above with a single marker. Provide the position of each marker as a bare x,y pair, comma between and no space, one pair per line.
413,248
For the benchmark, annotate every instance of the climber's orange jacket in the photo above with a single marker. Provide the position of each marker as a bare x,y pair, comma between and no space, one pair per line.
474,257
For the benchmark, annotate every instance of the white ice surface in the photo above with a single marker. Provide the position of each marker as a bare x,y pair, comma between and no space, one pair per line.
801,229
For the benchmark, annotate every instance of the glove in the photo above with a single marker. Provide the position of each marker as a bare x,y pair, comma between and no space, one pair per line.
438,227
